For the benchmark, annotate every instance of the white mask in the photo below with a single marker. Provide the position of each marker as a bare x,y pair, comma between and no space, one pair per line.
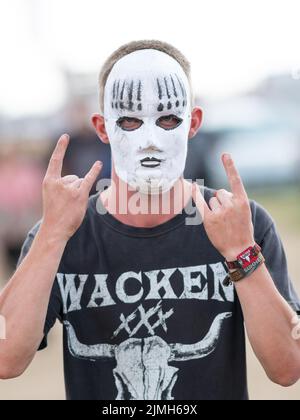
142,90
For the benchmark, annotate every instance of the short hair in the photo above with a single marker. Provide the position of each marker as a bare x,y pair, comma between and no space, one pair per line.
136,46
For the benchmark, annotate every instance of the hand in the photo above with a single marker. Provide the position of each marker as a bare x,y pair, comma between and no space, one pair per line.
65,199
227,220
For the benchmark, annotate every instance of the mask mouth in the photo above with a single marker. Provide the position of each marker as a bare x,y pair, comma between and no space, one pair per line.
150,162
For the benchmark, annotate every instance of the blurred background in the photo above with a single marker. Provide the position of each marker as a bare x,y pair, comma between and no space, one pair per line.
246,74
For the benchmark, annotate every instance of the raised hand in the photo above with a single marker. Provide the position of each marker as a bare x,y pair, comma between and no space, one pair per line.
227,220
65,199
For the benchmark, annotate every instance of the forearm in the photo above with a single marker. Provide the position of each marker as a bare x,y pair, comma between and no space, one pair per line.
24,301
268,318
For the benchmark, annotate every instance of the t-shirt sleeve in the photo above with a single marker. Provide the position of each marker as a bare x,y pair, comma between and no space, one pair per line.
267,236
54,311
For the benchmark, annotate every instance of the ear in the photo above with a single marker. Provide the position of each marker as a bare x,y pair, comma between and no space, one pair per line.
99,125
196,121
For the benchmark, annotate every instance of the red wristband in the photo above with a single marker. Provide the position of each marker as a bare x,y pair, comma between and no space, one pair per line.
245,258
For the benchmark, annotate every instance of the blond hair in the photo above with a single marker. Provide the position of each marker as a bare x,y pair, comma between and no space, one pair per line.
135,46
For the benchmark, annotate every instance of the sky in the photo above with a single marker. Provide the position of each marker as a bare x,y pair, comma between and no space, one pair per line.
231,44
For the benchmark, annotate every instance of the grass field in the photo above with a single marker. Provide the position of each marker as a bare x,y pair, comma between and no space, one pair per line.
283,205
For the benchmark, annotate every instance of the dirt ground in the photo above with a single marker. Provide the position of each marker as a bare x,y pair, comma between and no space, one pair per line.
44,378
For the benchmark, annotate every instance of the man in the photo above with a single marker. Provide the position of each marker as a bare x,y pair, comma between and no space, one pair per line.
143,296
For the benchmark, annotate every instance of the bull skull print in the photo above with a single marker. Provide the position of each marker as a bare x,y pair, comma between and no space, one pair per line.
142,364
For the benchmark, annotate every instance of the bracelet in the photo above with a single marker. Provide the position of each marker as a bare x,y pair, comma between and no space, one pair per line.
245,258
247,262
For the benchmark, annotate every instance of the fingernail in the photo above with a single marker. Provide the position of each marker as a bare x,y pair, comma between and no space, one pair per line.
67,136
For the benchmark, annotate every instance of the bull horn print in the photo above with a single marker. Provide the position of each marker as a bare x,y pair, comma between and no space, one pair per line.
83,351
183,352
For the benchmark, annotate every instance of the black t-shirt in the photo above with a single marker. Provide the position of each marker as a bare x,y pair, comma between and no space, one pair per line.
145,313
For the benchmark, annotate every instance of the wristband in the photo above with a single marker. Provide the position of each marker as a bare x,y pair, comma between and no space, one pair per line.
245,258
245,264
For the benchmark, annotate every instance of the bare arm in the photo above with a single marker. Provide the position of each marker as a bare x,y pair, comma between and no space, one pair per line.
24,301
269,323
268,317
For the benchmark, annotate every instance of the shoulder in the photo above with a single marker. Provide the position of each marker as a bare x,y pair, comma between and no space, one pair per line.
28,241
33,231
261,219
31,234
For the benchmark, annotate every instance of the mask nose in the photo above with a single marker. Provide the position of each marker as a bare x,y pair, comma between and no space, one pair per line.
151,141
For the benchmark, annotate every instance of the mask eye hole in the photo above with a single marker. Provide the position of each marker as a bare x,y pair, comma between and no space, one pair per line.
129,124
169,122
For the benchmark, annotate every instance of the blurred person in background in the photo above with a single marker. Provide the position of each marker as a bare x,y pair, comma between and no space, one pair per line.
20,199
85,146
81,154
197,163
151,287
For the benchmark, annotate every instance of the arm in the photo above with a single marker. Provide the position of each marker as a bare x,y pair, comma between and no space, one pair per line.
24,301
268,317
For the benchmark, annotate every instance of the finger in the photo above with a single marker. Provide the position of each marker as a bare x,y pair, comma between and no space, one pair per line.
69,179
224,197
233,176
56,160
77,183
214,203
91,176
200,201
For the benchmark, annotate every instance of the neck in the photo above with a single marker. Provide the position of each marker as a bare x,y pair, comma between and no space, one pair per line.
142,210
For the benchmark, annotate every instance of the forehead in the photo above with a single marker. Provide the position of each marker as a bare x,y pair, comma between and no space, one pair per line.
145,61
146,81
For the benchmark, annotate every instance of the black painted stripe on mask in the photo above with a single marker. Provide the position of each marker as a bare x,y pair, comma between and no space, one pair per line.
130,96
160,107
174,87
121,103
139,96
167,88
139,92
122,91
114,90
118,89
130,91
159,90
181,87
